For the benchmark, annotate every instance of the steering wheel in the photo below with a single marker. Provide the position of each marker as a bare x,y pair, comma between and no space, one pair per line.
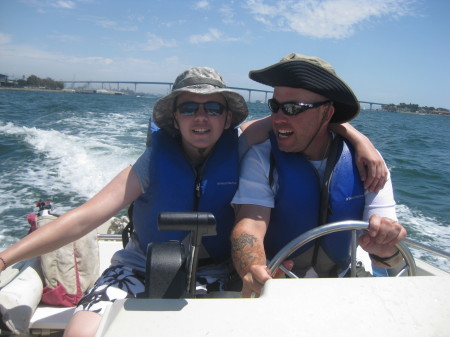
354,226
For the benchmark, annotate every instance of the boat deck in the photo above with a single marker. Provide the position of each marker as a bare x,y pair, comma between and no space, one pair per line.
406,306
295,294
352,307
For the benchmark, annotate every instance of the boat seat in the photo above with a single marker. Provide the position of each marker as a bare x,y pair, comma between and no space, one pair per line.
49,318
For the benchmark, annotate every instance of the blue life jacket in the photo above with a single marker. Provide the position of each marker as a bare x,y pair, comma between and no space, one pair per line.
173,184
298,201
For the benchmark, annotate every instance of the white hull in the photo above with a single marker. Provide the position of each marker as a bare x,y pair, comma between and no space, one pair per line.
382,306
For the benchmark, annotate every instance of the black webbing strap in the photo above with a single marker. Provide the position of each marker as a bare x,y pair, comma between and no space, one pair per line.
325,210
272,168
333,157
128,230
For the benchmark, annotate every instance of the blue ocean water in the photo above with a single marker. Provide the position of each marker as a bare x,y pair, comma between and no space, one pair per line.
65,147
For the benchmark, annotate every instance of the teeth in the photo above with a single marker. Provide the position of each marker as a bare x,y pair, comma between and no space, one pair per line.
200,130
284,133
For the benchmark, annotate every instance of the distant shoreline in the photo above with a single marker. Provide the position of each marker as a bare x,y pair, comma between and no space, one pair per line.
78,91
33,89
69,91
442,113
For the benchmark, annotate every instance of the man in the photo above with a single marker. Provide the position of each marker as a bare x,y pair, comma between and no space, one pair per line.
304,176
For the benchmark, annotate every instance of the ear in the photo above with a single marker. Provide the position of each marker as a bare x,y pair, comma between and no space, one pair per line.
228,120
329,112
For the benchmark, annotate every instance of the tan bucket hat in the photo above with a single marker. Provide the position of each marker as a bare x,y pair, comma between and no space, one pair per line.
198,80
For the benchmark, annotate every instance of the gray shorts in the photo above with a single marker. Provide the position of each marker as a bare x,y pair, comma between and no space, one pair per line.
116,282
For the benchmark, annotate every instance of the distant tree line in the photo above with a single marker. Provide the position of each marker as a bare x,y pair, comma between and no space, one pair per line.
403,107
35,82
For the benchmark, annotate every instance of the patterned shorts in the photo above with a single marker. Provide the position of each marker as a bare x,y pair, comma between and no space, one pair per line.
116,282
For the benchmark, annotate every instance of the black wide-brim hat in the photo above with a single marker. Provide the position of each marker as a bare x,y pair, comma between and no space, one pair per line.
313,74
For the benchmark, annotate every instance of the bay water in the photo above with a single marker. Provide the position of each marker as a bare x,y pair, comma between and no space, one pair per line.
64,147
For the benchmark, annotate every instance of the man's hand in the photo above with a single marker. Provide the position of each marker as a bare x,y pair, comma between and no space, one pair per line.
257,276
382,236
279,273
372,170
254,280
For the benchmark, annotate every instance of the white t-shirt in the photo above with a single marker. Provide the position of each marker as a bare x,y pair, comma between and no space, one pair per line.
254,187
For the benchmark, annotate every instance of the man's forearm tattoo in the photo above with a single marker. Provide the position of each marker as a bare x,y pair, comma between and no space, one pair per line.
243,250
243,240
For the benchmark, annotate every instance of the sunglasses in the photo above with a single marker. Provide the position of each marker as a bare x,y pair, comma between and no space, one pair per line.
191,108
291,108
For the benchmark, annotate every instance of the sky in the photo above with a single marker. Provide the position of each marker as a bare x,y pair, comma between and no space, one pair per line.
388,51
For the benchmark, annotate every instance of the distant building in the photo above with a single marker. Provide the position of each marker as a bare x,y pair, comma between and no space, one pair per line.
3,80
441,112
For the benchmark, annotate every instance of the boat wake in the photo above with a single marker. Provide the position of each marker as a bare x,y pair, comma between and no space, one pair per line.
426,230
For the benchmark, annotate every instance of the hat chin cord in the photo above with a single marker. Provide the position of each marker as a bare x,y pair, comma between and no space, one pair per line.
325,116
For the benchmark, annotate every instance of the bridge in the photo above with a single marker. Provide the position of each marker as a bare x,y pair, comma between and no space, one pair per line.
170,84
371,104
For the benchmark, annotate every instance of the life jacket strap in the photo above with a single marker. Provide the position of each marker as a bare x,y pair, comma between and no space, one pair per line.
129,228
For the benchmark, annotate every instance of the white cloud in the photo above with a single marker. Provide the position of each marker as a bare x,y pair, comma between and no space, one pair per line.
26,60
335,19
91,60
202,4
110,24
5,38
170,24
149,69
65,38
211,36
155,42
227,14
67,4
22,60
66,68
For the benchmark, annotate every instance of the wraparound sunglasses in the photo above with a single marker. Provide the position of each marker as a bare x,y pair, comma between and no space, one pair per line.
292,108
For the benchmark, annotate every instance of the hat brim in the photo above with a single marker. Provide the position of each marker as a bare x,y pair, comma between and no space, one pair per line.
163,111
305,75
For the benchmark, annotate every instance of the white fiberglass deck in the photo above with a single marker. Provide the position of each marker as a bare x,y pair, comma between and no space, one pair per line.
406,306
